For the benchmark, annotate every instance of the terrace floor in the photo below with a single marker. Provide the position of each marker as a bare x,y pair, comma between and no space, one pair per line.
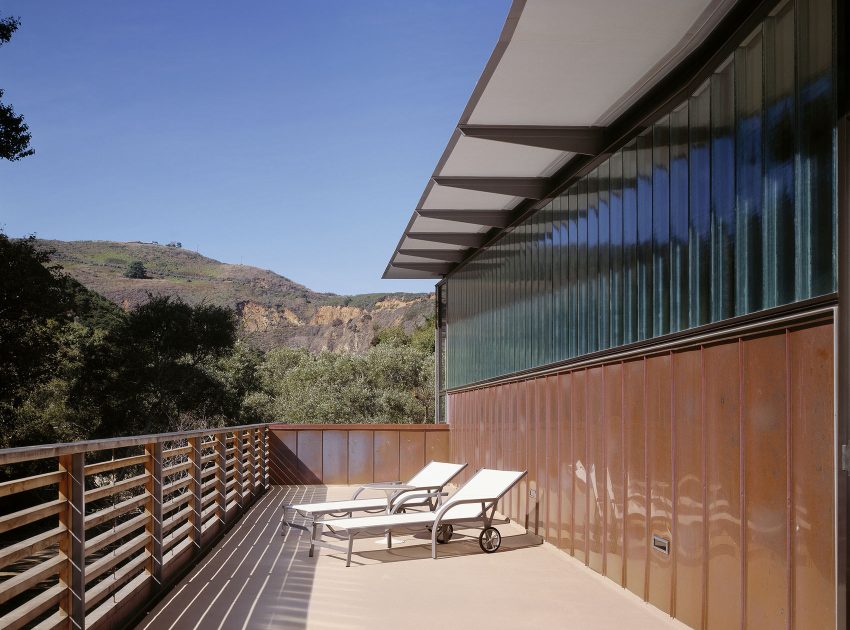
260,576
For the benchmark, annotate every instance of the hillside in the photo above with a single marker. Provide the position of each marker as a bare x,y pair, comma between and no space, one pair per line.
273,310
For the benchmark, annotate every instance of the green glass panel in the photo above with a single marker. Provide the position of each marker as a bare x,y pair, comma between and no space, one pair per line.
644,236
679,214
661,227
699,250
603,298
616,248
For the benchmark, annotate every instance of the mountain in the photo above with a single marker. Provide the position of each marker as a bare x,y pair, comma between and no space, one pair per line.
273,310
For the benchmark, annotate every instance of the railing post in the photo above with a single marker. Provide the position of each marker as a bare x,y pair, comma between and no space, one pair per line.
263,457
238,465
196,515
252,462
153,467
221,476
72,489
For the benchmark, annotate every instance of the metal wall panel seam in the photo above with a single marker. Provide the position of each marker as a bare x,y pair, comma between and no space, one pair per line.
789,482
705,508
742,481
604,484
647,492
674,491
625,460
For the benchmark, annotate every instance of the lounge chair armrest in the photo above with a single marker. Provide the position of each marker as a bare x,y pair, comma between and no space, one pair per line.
448,506
407,498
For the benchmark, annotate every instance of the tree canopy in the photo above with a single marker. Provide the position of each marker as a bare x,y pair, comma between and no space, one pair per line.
14,133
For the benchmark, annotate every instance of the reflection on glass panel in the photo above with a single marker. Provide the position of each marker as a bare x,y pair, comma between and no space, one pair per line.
572,305
723,219
748,136
592,262
815,247
603,299
616,247
679,219
779,151
630,240
644,236
548,342
699,254
661,227
582,267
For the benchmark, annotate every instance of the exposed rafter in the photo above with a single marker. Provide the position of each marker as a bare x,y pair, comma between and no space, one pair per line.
490,218
528,187
583,140
450,238
447,255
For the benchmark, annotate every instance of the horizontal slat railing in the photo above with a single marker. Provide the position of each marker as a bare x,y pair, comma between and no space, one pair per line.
117,520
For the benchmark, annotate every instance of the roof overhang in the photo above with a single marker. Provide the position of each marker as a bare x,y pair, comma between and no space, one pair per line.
562,73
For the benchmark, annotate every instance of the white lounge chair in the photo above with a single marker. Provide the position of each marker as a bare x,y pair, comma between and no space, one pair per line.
424,489
475,502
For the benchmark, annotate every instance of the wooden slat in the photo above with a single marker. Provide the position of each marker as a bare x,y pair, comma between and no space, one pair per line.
100,467
176,501
175,520
102,565
170,470
29,483
30,515
118,486
116,510
174,452
29,578
32,609
102,590
176,485
119,531
175,537
30,546
59,619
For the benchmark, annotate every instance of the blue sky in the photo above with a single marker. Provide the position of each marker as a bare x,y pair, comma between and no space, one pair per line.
293,136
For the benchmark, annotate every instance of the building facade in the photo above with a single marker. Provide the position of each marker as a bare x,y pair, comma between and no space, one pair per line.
641,230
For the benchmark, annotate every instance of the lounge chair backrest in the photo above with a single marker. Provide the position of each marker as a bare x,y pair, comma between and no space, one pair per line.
435,474
485,484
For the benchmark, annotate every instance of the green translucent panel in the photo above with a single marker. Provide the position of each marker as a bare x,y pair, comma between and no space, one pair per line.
722,207
749,252
661,227
679,217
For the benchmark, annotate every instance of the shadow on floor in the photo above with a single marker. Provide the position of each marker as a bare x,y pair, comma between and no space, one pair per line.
258,576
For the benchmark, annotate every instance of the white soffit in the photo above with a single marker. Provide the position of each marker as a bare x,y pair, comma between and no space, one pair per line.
567,63
474,157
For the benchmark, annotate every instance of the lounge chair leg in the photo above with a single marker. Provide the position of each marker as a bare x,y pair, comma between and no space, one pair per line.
389,539
350,547
434,531
316,527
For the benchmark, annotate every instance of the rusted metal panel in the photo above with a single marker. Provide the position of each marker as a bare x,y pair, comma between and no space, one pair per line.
411,449
595,466
436,446
533,407
688,538
635,538
335,457
723,481
612,475
565,538
579,417
283,457
813,476
522,451
386,456
553,486
361,457
764,414
659,478
310,457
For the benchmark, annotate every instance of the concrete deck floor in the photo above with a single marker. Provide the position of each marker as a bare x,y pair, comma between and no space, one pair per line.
260,576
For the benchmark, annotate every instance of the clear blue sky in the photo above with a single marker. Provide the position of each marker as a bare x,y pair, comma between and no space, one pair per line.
295,136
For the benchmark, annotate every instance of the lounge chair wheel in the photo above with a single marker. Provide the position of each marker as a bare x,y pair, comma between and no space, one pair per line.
490,540
444,534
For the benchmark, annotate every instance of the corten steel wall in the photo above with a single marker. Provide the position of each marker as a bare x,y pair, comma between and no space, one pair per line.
353,453
726,449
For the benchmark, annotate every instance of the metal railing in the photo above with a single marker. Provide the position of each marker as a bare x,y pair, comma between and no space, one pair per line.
105,525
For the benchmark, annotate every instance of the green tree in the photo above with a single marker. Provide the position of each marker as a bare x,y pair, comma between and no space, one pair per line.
14,133
136,270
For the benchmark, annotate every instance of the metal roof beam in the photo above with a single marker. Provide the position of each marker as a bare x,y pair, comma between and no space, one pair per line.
450,238
439,269
527,187
489,218
447,255
582,140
